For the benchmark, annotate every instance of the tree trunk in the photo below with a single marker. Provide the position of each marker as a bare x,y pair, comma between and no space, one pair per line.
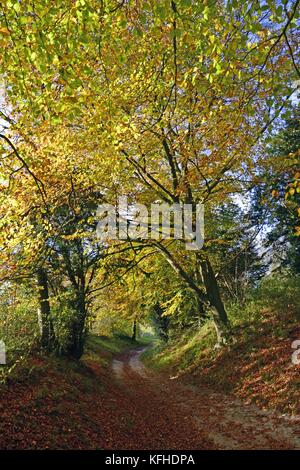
161,322
200,304
219,314
45,324
133,337
76,345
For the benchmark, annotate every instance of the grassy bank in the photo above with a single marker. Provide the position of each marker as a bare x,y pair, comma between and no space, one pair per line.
257,366
57,403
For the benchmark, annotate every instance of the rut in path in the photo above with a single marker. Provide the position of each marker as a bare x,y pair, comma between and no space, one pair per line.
162,413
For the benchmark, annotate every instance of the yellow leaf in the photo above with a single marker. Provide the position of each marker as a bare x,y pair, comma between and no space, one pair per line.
297,231
4,31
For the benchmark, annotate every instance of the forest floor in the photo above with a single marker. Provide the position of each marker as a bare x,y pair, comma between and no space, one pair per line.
257,366
112,401
167,413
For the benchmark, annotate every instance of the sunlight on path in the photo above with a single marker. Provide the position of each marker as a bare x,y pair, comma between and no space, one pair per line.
136,364
117,367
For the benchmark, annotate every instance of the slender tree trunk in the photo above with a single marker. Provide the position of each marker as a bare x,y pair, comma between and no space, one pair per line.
163,322
219,314
200,304
45,324
134,329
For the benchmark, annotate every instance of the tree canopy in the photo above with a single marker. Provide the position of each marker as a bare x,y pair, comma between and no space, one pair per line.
170,101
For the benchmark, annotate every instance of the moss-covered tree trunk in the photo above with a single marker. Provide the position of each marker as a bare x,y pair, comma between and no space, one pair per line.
44,319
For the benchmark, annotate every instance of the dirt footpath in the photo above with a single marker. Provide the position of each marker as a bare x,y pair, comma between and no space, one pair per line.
163,413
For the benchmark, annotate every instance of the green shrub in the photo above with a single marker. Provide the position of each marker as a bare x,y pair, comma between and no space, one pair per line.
276,293
18,324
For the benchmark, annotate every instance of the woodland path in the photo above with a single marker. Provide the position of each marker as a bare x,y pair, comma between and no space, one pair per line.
163,413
